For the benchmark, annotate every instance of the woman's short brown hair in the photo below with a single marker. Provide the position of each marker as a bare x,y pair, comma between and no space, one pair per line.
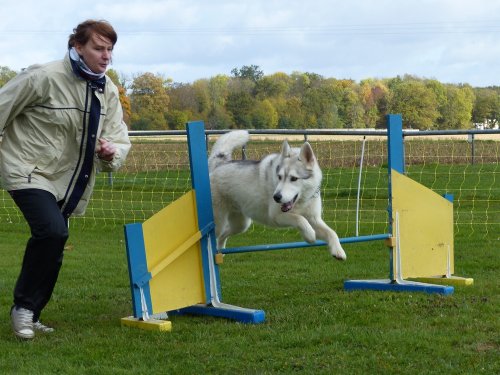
82,33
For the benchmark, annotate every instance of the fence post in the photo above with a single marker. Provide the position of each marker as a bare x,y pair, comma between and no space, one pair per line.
471,141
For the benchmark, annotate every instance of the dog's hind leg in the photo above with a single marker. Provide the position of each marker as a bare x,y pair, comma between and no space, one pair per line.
235,224
327,234
221,241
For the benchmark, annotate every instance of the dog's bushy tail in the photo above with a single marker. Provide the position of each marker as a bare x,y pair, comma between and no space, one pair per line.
222,150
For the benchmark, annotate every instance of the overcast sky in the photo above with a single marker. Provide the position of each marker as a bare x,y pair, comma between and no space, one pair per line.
454,41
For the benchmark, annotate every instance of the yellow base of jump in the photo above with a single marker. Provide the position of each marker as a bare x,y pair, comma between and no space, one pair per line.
149,325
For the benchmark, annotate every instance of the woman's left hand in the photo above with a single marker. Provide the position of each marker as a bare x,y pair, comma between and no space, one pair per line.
105,149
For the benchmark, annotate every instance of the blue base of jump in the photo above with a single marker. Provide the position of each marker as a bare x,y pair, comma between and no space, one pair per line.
394,286
239,314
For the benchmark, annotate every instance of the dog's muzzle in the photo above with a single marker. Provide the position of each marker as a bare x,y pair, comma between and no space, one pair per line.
287,206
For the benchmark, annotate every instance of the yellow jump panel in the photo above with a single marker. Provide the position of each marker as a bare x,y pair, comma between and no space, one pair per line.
173,254
426,229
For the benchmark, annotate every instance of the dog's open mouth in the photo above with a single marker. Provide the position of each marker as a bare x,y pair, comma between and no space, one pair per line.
285,207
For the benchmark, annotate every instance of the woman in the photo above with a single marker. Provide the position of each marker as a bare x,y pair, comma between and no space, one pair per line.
61,122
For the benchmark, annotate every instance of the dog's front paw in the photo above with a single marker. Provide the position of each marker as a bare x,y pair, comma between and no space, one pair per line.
309,235
338,253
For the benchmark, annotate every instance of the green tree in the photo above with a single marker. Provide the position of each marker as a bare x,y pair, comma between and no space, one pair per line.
416,102
251,72
202,96
218,91
370,110
6,75
176,119
219,118
322,103
300,83
276,85
457,113
240,105
487,106
240,101
264,115
442,99
290,113
353,110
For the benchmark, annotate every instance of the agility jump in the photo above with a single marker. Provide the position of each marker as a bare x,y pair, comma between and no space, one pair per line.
173,261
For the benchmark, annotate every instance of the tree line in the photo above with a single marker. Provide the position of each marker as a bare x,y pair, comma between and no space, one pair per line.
249,99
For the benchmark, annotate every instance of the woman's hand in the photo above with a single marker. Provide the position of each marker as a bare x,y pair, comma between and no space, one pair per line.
105,149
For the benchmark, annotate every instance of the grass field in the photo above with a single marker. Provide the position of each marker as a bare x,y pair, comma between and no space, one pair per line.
312,325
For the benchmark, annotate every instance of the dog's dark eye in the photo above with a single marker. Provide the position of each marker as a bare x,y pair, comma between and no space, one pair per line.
293,179
279,177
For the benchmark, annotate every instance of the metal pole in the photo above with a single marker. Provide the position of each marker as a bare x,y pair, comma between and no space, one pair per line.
359,184
473,153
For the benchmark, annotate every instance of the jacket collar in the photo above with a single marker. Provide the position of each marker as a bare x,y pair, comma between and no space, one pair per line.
97,83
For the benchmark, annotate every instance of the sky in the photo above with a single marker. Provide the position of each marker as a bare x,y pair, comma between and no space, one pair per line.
453,41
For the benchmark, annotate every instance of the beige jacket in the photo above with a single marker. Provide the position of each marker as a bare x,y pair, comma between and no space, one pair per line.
44,115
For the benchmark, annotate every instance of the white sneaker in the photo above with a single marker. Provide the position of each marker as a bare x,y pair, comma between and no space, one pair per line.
22,322
39,326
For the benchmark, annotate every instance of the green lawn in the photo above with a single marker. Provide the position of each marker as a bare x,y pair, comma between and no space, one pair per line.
312,325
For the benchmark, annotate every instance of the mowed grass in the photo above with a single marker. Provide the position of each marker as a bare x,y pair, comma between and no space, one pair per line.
312,325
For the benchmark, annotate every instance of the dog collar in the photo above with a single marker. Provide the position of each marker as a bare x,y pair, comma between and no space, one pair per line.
316,193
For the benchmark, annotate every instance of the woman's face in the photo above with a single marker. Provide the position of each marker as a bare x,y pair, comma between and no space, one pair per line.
96,53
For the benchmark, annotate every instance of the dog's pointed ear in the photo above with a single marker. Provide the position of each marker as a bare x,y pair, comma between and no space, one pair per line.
307,155
285,150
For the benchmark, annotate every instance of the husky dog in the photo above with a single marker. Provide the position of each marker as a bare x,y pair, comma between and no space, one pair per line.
281,190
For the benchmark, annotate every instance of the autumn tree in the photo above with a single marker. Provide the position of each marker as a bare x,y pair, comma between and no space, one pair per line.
373,98
150,100
183,97
122,91
187,102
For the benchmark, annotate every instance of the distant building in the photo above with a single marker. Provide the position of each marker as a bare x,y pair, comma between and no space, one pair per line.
487,124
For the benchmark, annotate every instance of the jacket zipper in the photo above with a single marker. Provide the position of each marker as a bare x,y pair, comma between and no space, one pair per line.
82,141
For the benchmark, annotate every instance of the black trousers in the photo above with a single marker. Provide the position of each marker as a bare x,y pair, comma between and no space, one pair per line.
44,251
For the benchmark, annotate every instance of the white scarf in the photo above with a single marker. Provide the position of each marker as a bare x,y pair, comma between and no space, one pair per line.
78,60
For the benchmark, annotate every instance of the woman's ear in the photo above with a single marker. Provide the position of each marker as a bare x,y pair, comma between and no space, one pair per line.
78,48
